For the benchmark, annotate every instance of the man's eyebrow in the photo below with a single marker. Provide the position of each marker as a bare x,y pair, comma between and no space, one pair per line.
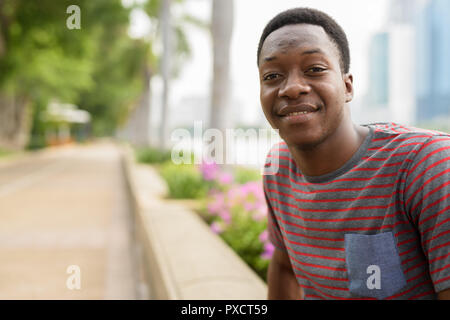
268,59
307,52
312,51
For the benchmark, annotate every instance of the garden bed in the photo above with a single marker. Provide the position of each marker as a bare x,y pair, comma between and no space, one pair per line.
231,202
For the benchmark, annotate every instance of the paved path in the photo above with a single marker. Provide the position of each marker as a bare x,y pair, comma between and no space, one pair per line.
66,207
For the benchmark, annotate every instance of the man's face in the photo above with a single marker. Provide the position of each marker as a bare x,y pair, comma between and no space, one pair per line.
303,91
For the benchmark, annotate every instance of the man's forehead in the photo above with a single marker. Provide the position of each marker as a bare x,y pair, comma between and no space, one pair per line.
296,35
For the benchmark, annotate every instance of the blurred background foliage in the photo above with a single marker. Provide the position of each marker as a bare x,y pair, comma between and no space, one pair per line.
150,155
183,181
98,68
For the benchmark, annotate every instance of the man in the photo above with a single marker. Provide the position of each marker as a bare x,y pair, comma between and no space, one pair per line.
355,212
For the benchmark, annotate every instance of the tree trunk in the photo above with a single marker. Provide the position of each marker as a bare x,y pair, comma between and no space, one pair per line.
222,30
14,108
14,121
165,70
137,128
2,40
4,26
146,108
2,31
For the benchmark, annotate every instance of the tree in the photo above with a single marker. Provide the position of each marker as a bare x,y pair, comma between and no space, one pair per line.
222,30
98,67
168,62
31,66
166,30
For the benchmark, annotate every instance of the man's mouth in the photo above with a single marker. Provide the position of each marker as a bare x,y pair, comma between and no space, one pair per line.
293,114
298,114
297,110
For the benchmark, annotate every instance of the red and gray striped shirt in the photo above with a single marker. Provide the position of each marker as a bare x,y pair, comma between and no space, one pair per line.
398,181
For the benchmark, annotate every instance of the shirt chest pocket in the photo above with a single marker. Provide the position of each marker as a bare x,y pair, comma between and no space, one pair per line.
373,265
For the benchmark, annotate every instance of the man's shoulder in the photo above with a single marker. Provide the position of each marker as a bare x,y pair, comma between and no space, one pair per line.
405,136
279,160
395,129
383,134
415,145
278,149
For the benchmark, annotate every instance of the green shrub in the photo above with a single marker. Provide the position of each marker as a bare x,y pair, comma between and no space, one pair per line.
36,142
152,156
243,237
184,181
243,175
239,215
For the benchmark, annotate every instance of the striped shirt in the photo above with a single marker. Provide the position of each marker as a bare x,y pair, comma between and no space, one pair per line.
398,182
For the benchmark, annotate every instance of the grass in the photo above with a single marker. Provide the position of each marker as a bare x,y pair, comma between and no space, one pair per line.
5,153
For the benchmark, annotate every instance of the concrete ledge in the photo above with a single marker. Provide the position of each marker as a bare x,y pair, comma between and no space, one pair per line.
183,259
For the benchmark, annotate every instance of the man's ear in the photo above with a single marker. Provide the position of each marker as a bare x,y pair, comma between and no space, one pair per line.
348,81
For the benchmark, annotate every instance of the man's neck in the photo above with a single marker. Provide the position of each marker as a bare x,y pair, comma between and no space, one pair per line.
332,153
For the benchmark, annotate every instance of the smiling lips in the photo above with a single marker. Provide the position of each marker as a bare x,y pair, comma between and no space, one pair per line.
302,109
296,113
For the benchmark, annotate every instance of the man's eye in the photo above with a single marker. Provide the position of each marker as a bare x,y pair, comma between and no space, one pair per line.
271,76
316,69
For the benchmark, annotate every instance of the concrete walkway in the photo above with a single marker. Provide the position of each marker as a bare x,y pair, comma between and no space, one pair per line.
66,207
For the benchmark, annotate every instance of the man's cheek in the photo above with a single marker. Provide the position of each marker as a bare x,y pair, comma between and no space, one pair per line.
268,112
271,120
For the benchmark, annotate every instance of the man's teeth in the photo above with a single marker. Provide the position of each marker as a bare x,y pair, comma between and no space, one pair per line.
297,113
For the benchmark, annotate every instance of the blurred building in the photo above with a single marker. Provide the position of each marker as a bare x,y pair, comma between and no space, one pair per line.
391,95
189,110
403,11
402,96
196,107
409,69
378,95
433,64
65,123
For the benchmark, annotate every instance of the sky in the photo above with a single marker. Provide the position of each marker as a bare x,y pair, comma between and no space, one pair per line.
359,19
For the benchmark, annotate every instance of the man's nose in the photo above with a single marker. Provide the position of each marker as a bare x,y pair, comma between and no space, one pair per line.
294,86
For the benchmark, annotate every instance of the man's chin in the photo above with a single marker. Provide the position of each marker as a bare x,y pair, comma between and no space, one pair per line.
302,143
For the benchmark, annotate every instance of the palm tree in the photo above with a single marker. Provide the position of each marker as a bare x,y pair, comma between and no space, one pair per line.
222,30
167,63
166,30
175,49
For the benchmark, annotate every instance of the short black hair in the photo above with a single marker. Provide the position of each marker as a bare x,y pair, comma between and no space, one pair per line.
315,17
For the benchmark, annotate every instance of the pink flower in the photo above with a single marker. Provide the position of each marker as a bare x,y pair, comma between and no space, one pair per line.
248,206
212,208
264,236
260,211
257,217
225,178
246,188
209,170
216,228
225,215
234,194
260,214
254,189
217,204
268,251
